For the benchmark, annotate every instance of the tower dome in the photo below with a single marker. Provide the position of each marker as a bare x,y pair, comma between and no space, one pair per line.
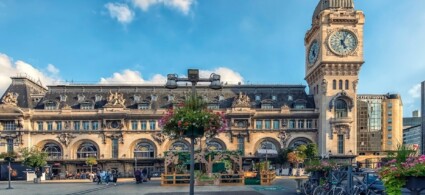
332,4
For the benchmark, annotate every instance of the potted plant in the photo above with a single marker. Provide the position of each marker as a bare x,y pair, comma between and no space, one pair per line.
404,169
35,158
192,118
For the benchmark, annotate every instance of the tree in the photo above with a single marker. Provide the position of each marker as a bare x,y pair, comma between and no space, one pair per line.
90,161
311,151
35,158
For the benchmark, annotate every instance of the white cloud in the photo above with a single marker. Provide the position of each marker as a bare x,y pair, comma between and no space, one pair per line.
415,91
121,12
132,77
181,5
128,76
10,68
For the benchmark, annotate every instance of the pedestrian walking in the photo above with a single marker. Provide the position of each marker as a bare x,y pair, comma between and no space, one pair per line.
108,177
115,176
138,174
144,174
99,177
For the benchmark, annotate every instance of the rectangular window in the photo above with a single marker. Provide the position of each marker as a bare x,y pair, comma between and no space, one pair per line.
134,125
59,125
86,125
77,125
390,143
390,105
390,120
267,124
300,124
390,136
152,125
115,148
291,124
49,126
144,125
40,126
390,128
241,145
143,106
276,124
340,144
259,124
86,106
390,113
213,106
309,124
266,106
9,145
95,125
9,125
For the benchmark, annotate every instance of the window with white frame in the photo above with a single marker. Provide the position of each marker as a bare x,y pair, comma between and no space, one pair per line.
77,125
50,106
309,124
86,125
267,124
134,125
259,124
86,106
257,97
9,125
300,124
144,125
40,125
95,125
49,125
59,125
143,106
276,124
152,124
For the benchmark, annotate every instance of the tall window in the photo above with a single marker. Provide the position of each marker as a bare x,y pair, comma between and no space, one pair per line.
340,84
144,150
267,124
276,124
390,105
309,124
9,125
340,108
334,84
95,125
134,125
291,124
267,145
347,84
241,145
87,150
152,124
86,125
340,144
77,125
53,151
49,126
144,125
9,145
114,148
390,128
59,125
259,124
40,125
300,124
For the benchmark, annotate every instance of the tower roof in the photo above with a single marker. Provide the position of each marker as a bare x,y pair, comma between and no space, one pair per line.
332,4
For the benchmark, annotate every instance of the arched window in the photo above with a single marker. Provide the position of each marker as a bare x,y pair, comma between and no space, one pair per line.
334,84
347,84
298,142
340,84
214,146
267,145
144,150
340,108
86,150
179,146
53,151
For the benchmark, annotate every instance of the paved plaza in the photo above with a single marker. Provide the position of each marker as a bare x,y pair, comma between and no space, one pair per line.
282,185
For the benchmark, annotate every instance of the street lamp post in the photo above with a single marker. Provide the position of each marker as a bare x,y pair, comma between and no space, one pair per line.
9,159
193,77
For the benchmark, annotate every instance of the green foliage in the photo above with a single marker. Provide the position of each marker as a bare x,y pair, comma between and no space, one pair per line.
9,156
282,156
33,157
90,161
311,151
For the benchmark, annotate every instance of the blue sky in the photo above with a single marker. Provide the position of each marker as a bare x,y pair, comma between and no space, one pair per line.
252,41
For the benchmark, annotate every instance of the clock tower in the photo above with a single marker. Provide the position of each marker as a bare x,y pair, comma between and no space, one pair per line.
334,55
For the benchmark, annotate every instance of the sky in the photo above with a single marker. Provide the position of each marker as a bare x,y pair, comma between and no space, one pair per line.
248,41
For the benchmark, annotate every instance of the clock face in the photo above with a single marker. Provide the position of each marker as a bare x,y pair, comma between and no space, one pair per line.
313,52
343,42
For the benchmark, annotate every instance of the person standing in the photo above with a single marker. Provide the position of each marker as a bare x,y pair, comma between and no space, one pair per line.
108,177
98,176
115,176
144,174
137,174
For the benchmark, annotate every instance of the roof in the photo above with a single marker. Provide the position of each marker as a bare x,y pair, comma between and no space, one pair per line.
332,4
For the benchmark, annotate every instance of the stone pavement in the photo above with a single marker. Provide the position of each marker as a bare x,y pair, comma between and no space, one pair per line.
283,185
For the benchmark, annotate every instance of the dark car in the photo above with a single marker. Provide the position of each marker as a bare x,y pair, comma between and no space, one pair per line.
374,183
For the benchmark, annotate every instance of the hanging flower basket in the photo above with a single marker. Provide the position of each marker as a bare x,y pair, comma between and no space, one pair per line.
192,119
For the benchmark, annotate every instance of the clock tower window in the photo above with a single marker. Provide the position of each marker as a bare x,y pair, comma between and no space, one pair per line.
340,84
334,84
347,84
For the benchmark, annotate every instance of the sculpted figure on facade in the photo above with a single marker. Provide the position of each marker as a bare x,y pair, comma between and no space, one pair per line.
158,137
284,137
65,138
241,101
355,84
10,99
116,99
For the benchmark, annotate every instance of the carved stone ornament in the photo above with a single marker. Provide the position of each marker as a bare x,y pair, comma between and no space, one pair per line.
117,136
158,137
324,86
115,100
10,99
284,137
241,101
342,129
65,138
355,85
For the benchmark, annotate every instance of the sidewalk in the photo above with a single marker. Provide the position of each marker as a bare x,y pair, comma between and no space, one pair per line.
81,180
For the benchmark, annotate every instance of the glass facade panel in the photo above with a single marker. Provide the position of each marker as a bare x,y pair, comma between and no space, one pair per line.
87,150
53,151
340,109
241,145
9,145
179,146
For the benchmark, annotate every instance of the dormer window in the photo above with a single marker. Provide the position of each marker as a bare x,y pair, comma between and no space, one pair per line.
136,98
63,98
154,97
274,97
220,97
81,97
170,98
86,106
290,98
97,98
213,106
50,105
257,97
266,106
143,106
299,105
